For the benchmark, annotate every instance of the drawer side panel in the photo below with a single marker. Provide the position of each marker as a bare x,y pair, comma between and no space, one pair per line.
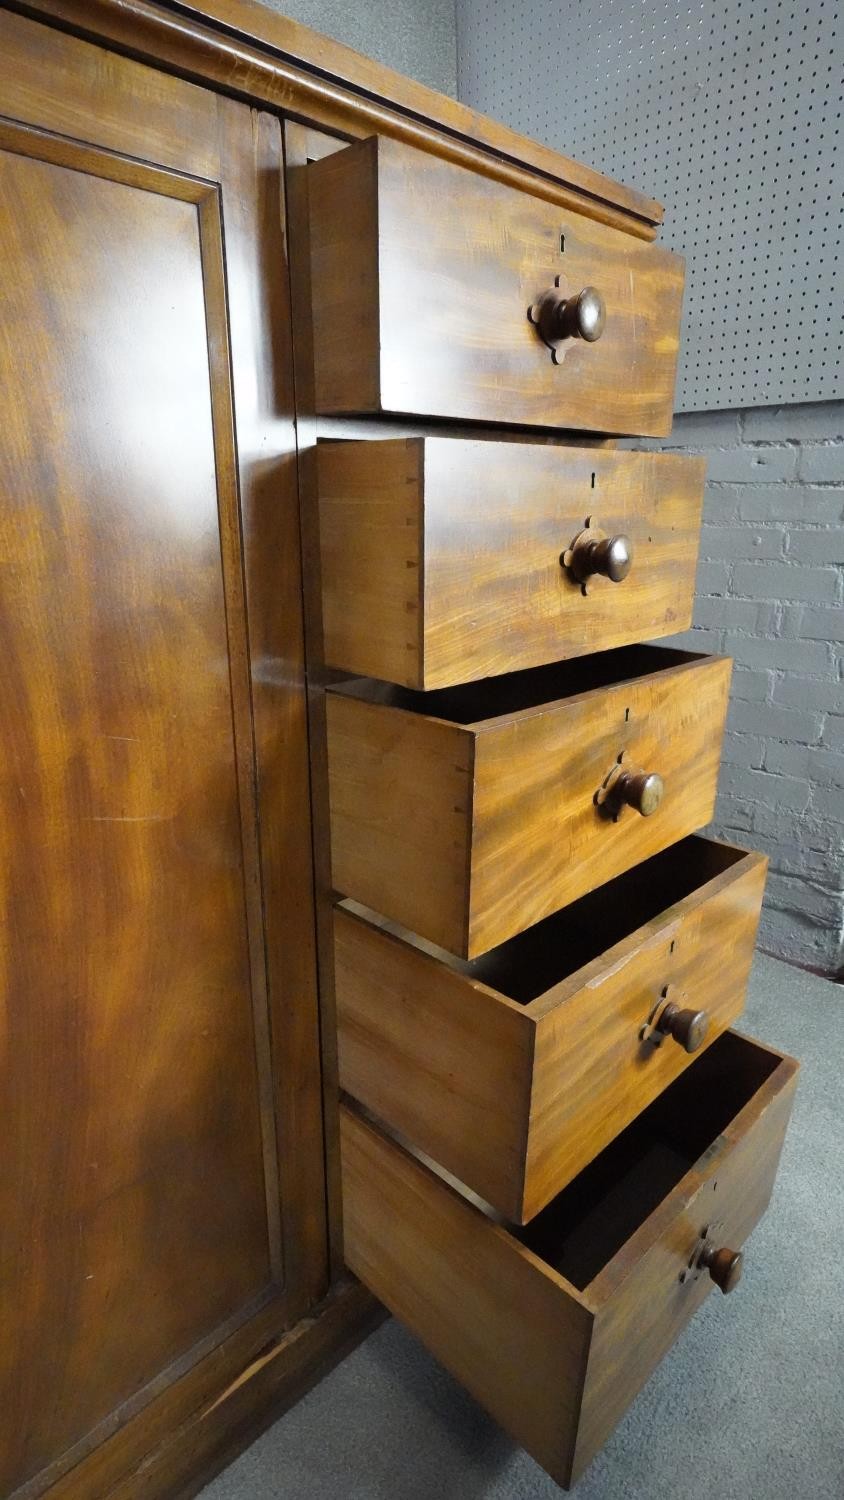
499,1322
400,791
440,1060
343,231
370,522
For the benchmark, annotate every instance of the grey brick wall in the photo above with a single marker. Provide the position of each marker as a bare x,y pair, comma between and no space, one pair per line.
770,593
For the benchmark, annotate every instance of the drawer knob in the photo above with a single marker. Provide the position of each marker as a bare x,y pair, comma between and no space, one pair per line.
612,557
640,789
583,316
558,316
724,1266
592,551
629,786
686,1026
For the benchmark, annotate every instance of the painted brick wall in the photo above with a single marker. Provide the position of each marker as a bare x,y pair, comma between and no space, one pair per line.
770,593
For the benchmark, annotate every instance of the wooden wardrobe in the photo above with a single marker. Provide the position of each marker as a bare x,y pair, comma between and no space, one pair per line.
236,305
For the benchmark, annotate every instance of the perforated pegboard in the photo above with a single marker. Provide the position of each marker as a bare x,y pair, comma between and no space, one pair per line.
728,112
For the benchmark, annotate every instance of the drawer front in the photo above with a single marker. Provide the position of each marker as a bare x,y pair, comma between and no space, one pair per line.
648,1293
442,559
514,1099
467,834
597,1064
554,1362
423,275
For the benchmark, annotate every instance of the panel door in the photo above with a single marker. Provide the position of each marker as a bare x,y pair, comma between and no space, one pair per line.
161,1187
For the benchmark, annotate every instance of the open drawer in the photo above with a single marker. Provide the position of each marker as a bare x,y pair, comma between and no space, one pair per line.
444,559
515,1069
471,813
438,292
555,1331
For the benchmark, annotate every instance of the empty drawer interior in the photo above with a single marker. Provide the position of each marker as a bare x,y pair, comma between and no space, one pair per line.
545,955
519,692
588,1223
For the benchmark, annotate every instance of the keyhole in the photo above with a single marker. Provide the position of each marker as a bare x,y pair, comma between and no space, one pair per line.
562,244
592,486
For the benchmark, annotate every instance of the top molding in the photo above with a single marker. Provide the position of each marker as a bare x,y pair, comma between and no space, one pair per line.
257,54
297,43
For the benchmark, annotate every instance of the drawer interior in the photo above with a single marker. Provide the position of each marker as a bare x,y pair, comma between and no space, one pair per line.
553,950
518,692
587,1224
535,960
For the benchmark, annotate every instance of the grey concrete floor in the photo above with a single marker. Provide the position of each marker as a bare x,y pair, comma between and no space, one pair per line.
749,1405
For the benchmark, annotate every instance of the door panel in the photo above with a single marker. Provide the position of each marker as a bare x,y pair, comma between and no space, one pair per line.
142,1205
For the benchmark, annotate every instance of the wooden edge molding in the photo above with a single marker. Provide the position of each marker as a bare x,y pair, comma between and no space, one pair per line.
268,1388
179,1457
260,56
298,44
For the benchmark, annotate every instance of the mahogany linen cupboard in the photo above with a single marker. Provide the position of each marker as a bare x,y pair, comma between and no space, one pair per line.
359,948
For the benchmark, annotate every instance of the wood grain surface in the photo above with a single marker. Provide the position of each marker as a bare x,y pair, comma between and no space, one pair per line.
514,1071
470,814
423,273
165,1276
643,1304
190,1431
555,1331
442,1059
164,1195
592,1074
127,960
441,557
269,60
252,19
400,794
499,1319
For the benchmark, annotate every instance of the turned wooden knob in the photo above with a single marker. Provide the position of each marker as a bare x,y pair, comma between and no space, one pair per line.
612,558
559,317
724,1266
640,789
688,1027
581,317
593,552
